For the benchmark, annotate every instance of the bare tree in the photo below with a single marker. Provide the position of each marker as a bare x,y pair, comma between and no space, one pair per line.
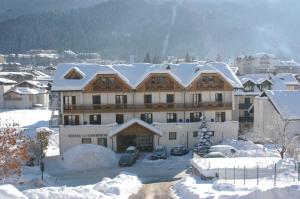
13,150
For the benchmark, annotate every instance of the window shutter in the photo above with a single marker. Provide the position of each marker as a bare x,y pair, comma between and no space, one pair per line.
76,119
73,99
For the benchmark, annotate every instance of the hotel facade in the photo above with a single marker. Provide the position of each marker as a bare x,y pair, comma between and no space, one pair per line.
144,105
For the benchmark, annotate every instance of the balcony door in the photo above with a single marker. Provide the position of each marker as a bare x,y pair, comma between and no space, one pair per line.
69,102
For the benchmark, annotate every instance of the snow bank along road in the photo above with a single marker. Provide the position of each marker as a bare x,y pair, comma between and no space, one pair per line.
171,169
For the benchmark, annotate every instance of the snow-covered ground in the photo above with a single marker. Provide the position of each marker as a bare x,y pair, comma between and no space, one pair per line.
29,119
194,188
120,187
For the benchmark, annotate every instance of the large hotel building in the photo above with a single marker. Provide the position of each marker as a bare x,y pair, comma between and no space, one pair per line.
145,105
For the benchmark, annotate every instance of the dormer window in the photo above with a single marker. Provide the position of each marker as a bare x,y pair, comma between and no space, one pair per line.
249,86
74,74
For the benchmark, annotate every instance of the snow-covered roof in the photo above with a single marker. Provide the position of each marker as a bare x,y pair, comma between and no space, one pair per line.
134,74
135,121
286,103
279,81
7,81
24,91
36,84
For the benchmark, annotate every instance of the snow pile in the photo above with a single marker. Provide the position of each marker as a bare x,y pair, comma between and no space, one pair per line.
249,149
87,156
120,187
8,191
53,145
195,188
29,178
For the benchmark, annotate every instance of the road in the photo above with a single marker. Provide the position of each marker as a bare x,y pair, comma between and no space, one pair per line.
171,169
160,190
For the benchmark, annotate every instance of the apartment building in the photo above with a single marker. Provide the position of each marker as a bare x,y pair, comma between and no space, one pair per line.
254,85
144,105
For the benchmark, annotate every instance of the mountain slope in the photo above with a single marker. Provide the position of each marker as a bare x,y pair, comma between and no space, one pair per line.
118,28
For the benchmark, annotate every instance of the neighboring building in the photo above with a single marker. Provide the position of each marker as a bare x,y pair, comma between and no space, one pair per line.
27,94
287,67
144,105
16,76
5,85
257,63
254,85
11,66
277,112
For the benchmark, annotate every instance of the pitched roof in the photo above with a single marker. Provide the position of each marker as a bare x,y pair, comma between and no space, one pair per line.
24,91
286,103
132,122
134,74
7,81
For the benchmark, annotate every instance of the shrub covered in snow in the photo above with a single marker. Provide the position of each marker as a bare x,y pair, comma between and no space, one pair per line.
87,156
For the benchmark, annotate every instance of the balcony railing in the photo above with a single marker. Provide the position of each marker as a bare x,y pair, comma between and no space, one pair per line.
158,107
246,119
244,106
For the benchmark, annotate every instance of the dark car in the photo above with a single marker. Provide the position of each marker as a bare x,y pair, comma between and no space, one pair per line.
126,160
179,150
159,153
134,151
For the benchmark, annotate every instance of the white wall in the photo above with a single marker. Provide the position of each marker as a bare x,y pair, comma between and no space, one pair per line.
223,130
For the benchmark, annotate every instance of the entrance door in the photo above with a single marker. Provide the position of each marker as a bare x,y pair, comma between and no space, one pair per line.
144,142
124,141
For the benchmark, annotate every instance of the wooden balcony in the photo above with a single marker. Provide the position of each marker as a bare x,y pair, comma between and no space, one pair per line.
153,107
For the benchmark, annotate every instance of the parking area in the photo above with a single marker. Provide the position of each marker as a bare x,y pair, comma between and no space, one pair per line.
149,171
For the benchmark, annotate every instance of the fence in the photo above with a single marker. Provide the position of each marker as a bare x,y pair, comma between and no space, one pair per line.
219,167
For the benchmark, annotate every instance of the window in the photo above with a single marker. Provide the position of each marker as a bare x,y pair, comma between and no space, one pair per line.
147,117
69,101
86,140
102,141
121,99
195,134
197,98
219,97
172,135
195,117
249,86
96,99
71,119
170,98
220,117
119,118
171,117
147,99
95,119
247,100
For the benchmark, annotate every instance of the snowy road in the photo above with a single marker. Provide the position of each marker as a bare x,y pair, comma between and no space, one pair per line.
159,190
148,171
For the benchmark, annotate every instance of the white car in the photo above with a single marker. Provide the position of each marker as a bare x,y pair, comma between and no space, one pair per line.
227,150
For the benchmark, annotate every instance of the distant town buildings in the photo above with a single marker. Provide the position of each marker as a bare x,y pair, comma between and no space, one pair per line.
264,63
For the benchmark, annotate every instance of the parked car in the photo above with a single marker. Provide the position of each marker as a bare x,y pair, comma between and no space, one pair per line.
201,150
126,159
179,150
160,152
226,150
215,155
134,151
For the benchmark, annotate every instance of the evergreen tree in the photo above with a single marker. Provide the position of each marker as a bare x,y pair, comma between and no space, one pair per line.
204,135
147,58
187,58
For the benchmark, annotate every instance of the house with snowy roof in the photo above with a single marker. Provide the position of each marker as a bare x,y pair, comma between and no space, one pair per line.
144,105
277,112
27,94
254,85
5,85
